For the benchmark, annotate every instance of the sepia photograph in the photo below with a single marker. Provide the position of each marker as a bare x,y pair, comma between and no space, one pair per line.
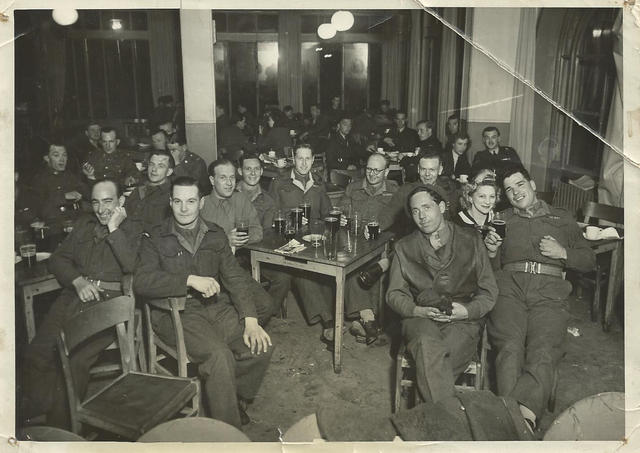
319,225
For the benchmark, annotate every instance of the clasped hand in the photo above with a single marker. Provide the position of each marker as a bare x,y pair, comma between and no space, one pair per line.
551,248
458,313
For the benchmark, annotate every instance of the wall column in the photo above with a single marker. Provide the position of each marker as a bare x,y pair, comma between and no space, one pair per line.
196,30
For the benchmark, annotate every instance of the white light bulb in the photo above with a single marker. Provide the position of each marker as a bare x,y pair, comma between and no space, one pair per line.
342,20
326,31
65,16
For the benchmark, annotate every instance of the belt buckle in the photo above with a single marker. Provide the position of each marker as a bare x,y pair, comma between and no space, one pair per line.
532,267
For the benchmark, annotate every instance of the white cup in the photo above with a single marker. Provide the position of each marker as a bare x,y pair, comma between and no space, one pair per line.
281,162
464,179
380,150
272,154
592,232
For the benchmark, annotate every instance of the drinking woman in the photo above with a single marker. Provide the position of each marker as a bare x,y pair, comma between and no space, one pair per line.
479,199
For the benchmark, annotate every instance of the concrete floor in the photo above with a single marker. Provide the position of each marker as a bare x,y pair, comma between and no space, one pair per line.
301,378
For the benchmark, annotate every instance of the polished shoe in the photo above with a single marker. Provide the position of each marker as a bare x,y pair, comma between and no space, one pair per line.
365,332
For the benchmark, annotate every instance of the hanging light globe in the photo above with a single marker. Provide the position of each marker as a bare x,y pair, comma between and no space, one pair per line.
65,16
326,31
342,20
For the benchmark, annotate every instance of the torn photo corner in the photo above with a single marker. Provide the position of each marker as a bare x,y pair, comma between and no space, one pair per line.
550,85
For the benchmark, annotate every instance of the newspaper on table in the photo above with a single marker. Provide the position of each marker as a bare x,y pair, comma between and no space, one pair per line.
291,247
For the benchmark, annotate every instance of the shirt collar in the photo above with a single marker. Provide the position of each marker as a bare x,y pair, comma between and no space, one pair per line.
367,188
202,230
298,184
242,187
538,209
440,237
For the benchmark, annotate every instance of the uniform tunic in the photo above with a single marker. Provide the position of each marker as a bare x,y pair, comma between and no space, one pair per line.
89,251
50,187
193,165
505,157
148,205
225,212
117,165
528,324
420,275
213,326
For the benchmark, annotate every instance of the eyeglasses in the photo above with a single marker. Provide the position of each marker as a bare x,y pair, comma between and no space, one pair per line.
374,171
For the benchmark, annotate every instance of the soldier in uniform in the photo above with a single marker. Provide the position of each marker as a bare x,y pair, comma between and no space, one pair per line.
495,156
442,285
148,204
529,321
89,265
56,188
189,164
368,197
187,256
111,162
429,172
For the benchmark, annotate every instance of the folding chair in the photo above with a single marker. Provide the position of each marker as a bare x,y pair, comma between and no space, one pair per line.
134,402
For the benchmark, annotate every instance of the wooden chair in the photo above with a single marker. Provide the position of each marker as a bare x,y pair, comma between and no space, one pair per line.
174,305
134,402
571,197
599,279
405,383
141,363
340,179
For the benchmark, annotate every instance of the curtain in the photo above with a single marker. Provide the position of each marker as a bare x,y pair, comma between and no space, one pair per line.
418,70
162,42
289,61
521,127
393,50
611,187
52,54
448,71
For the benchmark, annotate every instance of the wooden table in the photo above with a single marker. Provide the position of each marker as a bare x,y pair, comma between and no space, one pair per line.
313,260
32,282
616,272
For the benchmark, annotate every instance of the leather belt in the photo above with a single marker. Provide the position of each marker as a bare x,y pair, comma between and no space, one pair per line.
109,286
533,267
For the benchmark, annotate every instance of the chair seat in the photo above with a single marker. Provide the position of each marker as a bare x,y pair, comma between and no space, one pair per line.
157,398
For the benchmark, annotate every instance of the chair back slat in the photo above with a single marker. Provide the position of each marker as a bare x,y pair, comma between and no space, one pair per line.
570,197
604,212
98,318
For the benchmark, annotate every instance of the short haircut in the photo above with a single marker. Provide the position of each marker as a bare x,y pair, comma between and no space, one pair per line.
112,181
91,123
428,123
163,153
303,146
248,157
400,112
186,181
460,136
512,170
345,116
431,155
218,163
54,143
453,117
108,130
287,108
490,129
431,190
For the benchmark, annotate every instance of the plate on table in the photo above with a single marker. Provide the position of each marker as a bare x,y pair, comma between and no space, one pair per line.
41,256
312,237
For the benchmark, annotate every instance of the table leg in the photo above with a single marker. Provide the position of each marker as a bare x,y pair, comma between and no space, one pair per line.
381,301
255,268
29,317
337,350
615,279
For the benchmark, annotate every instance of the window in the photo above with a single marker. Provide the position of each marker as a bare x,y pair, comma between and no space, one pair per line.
246,73
108,76
352,71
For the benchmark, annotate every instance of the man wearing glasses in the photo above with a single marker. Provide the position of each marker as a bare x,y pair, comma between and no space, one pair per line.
429,172
368,197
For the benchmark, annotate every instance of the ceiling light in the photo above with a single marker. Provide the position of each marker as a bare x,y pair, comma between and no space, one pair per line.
65,16
328,55
326,31
342,20
116,24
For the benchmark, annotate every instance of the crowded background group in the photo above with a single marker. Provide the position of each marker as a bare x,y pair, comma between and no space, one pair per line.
473,243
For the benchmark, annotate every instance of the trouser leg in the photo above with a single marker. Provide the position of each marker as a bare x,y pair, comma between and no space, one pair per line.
547,326
358,298
280,285
507,330
439,351
316,294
